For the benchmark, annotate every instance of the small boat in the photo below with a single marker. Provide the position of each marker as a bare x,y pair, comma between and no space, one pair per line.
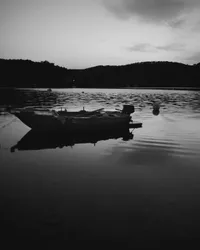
37,140
49,90
53,120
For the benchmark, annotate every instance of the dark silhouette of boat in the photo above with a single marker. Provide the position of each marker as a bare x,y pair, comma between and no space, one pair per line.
35,140
73,121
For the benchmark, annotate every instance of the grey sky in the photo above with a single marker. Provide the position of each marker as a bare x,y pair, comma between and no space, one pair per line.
151,10
85,33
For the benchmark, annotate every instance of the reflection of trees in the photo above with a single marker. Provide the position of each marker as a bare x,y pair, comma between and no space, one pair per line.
25,73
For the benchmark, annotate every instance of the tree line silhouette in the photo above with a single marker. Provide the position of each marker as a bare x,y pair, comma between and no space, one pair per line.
29,74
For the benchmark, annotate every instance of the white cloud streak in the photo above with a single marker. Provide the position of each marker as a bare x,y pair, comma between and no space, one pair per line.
146,47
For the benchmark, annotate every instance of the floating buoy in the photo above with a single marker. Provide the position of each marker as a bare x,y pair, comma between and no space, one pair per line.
156,111
156,108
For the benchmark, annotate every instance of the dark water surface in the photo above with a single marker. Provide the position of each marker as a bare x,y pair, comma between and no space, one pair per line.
108,191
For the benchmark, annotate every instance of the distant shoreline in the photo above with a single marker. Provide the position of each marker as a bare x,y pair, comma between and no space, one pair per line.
146,75
158,88
169,88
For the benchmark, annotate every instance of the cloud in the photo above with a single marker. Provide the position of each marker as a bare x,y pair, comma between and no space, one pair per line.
146,47
194,58
196,26
172,47
141,47
177,23
152,10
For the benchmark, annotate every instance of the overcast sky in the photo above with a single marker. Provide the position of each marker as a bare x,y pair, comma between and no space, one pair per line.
85,33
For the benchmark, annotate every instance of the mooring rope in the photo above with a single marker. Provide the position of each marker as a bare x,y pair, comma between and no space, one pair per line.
7,124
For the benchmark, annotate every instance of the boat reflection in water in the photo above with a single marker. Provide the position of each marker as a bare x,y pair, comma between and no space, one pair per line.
35,140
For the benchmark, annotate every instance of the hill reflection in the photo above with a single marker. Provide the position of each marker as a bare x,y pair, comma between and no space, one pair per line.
34,140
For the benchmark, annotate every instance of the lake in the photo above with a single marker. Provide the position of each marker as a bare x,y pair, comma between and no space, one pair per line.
137,192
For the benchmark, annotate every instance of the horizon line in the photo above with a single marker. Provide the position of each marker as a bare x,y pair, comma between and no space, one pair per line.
99,65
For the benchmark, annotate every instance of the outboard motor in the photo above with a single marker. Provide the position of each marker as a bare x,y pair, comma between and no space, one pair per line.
128,109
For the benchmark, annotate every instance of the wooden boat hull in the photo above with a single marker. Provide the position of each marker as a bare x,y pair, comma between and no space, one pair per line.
48,121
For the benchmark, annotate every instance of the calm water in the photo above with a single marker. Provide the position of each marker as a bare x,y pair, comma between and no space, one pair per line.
142,192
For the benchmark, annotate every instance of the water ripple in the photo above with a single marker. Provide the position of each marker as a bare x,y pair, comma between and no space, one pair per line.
172,101
175,131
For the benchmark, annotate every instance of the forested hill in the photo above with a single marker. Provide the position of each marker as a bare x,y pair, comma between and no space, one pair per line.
28,74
